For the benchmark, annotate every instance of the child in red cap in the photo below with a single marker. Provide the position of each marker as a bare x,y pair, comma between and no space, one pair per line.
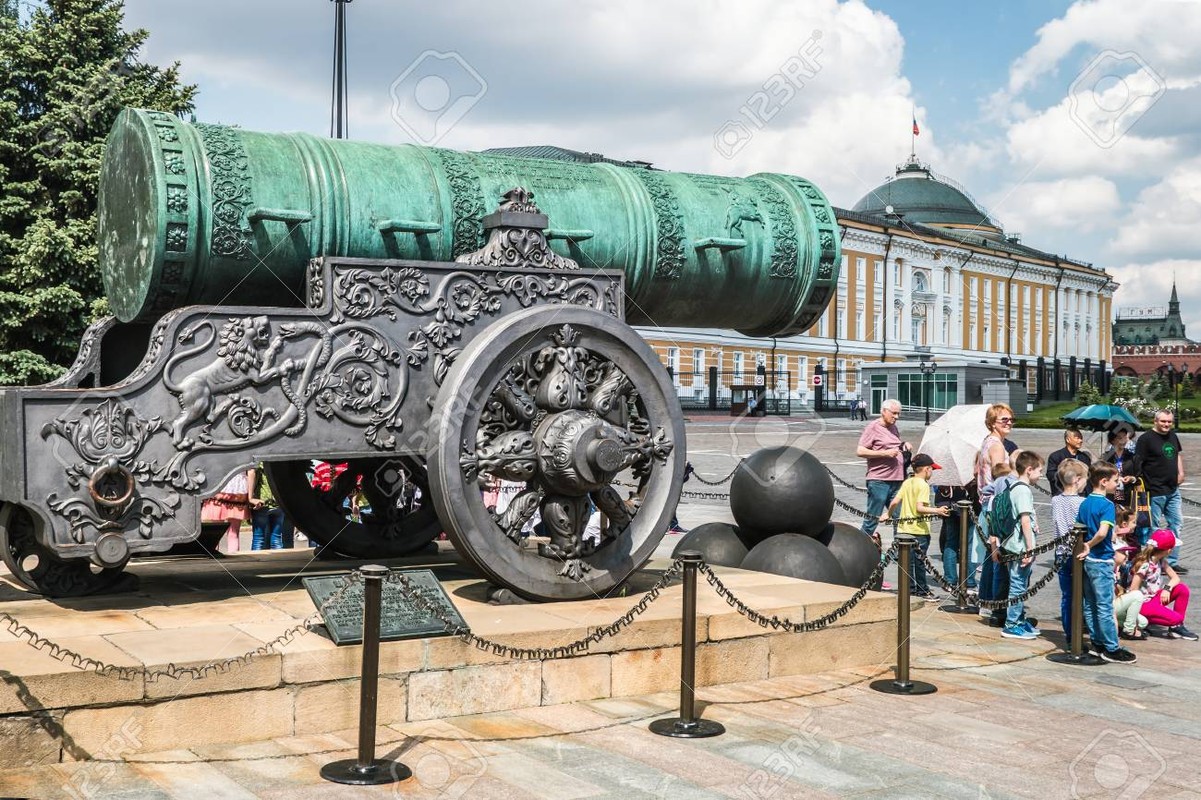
1167,597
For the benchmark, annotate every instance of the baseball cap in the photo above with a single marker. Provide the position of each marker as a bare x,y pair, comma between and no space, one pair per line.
923,460
1164,539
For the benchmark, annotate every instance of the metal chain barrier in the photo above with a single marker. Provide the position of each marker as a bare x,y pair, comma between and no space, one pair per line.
845,483
823,621
1189,501
719,482
82,662
890,521
992,604
705,495
534,653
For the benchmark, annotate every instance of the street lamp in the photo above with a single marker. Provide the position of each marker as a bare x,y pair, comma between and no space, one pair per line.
927,369
1176,409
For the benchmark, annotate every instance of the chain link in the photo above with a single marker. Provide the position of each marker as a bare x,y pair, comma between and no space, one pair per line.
705,495
845,483
534,653
991,604
890,521
776,623
1190,501
719,482
82,662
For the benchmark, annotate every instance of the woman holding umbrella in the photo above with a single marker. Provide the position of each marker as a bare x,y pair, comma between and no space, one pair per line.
993,451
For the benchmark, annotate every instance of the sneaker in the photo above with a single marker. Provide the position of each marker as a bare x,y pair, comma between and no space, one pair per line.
928,596
885,586
986,612
1017,632
1119,656
1032,620
1026,624
1181,632
1180,569
1136,636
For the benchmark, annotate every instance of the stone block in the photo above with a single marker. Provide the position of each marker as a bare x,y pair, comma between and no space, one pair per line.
229,611
35,680
872,644
29,741
187,721
571,679
645,671
327,707
200,647
474,690
312,658
732,661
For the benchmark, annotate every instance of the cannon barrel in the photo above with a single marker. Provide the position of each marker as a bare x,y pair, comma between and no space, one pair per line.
195,213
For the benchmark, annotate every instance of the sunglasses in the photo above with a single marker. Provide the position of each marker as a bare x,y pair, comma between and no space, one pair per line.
1005,420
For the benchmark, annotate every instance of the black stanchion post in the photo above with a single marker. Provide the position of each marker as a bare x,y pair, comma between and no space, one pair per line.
901,684
1075,653
367,770
687,726
960,606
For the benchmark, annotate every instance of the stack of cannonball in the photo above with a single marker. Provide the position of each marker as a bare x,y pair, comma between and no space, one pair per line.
782,499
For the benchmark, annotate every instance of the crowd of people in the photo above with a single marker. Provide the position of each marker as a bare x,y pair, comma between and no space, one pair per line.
1128,502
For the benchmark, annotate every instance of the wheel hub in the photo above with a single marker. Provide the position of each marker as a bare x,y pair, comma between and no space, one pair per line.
578,452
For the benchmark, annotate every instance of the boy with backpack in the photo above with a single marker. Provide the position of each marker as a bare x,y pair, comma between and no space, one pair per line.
1072,477
1016,528
1098,515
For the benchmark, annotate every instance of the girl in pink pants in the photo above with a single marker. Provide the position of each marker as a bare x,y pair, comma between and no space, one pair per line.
1167,597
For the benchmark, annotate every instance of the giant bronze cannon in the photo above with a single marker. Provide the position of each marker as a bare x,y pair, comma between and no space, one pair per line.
283,298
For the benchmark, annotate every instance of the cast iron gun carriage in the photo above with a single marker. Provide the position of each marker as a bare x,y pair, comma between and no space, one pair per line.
282,298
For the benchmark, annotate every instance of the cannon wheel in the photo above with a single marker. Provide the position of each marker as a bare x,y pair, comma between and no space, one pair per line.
506,410
387,531
39,570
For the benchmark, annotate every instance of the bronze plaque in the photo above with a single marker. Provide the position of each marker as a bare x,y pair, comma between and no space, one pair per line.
399,618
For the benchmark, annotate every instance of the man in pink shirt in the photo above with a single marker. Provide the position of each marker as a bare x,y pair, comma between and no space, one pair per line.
881,445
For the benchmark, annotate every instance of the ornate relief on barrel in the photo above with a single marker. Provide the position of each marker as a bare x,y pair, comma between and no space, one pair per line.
231,191
783,230
669,245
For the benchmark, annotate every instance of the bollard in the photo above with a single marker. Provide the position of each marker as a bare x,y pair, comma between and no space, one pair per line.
961,606
367,770
687,726
1075,653
901,684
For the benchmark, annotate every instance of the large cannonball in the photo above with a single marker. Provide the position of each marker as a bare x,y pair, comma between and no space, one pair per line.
796,556
719,542
782,490
856,553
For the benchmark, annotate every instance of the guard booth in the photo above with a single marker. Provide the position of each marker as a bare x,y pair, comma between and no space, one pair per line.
748,400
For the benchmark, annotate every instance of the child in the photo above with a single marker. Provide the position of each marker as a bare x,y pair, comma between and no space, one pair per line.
994,581
1148,573
1029,468
1072,477
1097,514
914,499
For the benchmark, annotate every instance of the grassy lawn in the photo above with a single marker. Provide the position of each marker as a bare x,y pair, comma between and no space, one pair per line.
1048,415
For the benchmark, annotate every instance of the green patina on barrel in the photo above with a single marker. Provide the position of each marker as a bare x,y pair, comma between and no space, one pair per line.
193,213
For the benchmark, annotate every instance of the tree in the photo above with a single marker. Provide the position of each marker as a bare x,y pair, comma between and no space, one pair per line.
1087,394
65,73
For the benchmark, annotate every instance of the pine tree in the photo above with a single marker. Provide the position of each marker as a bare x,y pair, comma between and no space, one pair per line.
65,73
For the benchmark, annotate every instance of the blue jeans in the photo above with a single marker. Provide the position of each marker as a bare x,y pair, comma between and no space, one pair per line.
1167,507
1019,581
994,584
917,565
1098,603
948,542
1065,602
879,495
269,526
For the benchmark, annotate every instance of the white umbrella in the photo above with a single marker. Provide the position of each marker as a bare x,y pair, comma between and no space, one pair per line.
953,441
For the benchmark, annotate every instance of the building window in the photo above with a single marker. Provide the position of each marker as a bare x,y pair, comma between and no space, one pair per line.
841,321
987,338
896,273
919,281
987,292
877,329
673,364
781,368
915,391
860,322
973,287
970,344
840,378
946,280
946,328
896,326
802,371
739,361
878,273
698,367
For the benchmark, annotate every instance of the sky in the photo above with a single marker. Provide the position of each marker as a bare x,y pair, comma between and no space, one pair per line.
1076,124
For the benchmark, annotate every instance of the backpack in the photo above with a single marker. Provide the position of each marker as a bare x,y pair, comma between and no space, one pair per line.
1003,520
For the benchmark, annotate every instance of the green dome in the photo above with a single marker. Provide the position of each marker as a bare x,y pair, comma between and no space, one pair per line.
920,197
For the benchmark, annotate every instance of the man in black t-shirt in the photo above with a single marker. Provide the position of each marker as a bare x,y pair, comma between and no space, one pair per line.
1158,461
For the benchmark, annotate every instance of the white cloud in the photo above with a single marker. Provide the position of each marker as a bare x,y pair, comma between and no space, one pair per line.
1149,284
1044,207
1165,218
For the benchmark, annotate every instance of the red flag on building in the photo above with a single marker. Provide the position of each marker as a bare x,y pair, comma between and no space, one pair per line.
916,131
